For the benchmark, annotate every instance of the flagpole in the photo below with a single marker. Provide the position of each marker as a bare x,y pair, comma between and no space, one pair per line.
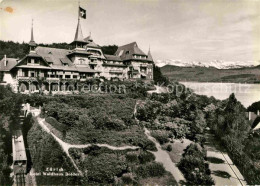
78,10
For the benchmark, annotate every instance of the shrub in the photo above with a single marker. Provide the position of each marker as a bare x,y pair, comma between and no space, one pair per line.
132,157
127,178
169,148
151,170
145,157
193,166
161,136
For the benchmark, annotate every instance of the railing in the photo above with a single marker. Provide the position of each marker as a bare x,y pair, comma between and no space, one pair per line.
26,78
93,63
52,79
116,71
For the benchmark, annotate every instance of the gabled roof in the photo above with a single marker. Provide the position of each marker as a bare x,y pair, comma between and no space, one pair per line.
112,57
11,62
126,52
54,55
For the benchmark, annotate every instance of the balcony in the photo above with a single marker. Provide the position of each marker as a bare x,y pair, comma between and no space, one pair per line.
52,79
92,63
116,71
144,65
23,78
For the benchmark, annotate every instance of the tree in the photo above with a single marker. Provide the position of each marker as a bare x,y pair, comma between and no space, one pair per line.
109,49
158,77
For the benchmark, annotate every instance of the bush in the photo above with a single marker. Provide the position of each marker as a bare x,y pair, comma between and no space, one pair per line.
145,157
193,166
161,136
151,170
132,157
148,111
127,178
169,148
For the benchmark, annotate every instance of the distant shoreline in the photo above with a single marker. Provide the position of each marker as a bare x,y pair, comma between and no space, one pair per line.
249,75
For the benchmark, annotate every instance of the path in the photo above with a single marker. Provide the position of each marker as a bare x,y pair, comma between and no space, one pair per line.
162,156
213,150
66,146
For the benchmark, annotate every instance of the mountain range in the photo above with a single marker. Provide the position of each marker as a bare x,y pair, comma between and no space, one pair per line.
219,64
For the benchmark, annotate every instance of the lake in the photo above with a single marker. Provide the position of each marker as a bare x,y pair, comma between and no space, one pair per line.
245,93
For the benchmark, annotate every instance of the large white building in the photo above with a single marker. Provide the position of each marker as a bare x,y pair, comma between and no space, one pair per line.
63,70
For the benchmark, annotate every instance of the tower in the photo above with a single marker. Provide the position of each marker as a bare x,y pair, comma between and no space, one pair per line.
32,43
79,41
149,56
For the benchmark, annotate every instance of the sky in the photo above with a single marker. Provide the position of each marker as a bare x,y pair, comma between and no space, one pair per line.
187,30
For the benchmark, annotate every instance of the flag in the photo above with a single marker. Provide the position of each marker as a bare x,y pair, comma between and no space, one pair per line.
82,13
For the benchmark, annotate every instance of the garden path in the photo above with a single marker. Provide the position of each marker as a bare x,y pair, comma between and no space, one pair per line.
162,156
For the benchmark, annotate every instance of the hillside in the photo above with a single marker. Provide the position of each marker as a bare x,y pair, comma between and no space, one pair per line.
19,50
211,74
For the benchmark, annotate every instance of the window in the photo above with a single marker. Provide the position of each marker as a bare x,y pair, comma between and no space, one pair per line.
75,77
127,52
67,76
81,61
121,52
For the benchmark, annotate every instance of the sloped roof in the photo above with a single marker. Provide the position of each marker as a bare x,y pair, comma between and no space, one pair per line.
54,55
11,62
78,35
78,52
93,44
89,38
126,52
32,42
113,65
112,57
85,69
150,56
33,54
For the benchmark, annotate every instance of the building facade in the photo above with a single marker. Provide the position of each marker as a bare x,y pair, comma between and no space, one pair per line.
54,69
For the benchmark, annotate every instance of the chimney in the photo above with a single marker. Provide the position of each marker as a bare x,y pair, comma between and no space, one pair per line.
5,62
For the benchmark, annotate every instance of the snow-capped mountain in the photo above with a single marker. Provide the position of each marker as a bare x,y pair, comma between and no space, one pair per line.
216,63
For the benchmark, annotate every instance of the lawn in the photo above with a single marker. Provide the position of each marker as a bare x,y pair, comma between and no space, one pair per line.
177,149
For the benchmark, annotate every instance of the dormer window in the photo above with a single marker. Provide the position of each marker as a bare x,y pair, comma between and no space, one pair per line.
81,61
127,52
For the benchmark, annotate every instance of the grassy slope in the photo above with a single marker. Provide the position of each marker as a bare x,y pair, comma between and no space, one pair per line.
203,74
